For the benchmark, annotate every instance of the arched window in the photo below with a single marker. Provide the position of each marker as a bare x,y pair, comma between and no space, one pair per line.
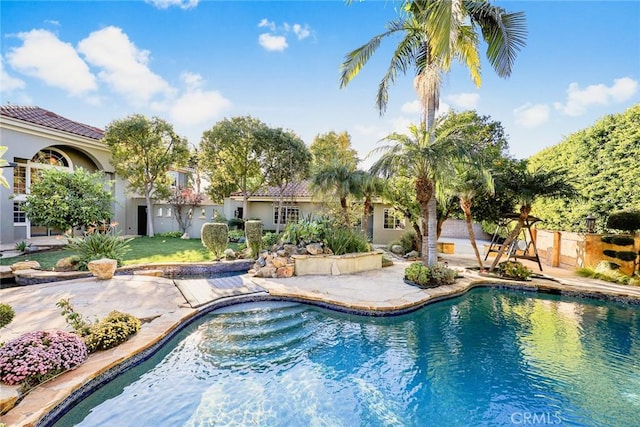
50,157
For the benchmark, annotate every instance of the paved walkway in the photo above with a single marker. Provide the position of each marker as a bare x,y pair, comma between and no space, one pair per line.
163,304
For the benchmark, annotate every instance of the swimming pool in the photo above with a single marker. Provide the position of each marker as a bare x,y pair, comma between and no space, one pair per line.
489,357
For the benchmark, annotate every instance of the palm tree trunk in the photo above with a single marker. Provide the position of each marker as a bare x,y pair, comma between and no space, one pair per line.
365,220
432,237
466,208
416,228
345,210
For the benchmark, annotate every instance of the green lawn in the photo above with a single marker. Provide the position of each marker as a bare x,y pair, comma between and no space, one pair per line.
142,250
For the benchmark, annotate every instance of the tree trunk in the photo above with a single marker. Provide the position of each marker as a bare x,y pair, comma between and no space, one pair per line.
432,240
245,206
147,198
466,208
416,228
365,219
345,210
279,212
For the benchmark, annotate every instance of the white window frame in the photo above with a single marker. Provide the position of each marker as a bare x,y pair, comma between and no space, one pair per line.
388,213
287,213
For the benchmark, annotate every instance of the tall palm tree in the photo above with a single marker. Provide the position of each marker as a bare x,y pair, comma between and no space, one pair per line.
339,179
437,32
528,185
370,186
429,159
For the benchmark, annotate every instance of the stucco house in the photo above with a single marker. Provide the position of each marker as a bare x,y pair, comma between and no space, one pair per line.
384,224
37,138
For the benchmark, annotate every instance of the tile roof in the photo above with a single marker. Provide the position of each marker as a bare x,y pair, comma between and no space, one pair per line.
42,117
293,189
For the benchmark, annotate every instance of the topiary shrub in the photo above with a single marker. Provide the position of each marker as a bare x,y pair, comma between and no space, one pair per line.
215,236
97,245
514,270
253,232
112,330
6,314
628,221
38,356
236,223
618,240
429,277
609,253
626,255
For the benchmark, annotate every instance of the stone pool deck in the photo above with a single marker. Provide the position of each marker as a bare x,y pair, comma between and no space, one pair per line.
164,304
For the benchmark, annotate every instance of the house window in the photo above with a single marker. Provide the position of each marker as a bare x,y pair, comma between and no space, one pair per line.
20,179
289,214
159,211
168,212
392,220
203,213
19,216
50,157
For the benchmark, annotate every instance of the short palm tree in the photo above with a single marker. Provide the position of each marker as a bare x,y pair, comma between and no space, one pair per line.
340,180
528,185
427,158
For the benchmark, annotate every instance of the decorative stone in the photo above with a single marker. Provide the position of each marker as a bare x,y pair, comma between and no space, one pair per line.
314,248
328,251
286,271
66,264
185,235
25,265
261,262
290,250
103,268
397,249
279,261
8,397
412,254
266,272
229,254
386,262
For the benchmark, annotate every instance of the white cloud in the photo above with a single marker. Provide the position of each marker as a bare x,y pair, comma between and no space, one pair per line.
123,66
466,101
43,56
301,32
266,23
413,107
182,4
529,115
579,100
8,83
197,106
276,38
52,22
272,42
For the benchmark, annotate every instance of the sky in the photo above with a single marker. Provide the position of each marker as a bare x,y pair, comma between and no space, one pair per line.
196,62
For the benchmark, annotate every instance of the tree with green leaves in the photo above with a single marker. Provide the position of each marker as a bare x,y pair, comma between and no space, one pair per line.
602,163
399,192
427,158
330,148
527,185
286,159
434,34
69,200
143,150
339,180
231,154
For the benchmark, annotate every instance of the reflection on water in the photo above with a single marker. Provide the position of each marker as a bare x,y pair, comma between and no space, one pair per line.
487,358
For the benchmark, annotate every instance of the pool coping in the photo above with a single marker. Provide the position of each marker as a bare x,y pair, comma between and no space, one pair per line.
76,387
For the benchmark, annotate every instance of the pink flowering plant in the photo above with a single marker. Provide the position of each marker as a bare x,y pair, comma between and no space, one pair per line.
38,356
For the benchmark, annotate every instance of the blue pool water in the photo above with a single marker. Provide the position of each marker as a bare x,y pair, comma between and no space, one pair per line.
490,357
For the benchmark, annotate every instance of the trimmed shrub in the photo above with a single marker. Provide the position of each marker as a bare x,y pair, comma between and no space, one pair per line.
38,356
618,240
628,221
6,314
236,223
626,255
253,232
169,234
610,253
96,245
514,270
346,241
215,236
429,277
112,330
